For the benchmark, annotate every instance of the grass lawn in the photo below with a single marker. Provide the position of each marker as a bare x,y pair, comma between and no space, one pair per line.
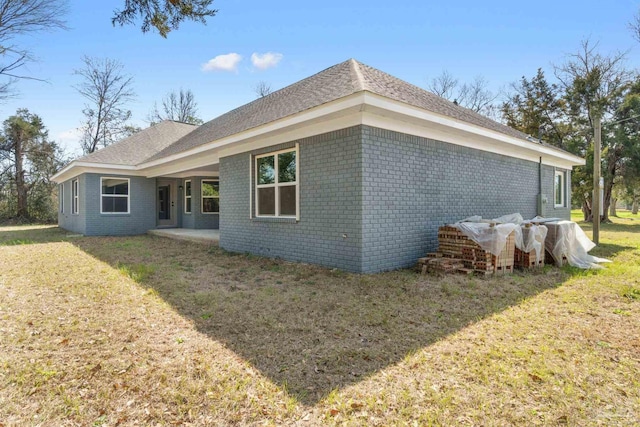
144,331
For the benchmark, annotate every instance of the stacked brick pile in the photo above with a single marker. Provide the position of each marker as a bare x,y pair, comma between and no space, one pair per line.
466,256
527,260
434,263
553,235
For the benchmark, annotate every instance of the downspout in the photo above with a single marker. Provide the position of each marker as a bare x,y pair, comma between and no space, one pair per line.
540,197
540,187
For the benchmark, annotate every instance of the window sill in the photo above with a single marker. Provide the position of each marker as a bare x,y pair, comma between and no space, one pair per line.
283,219
115,213
210,213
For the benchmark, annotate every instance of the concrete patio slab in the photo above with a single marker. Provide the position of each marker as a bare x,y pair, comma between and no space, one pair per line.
209,237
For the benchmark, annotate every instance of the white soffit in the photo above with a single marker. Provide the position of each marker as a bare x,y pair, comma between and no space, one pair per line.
74,169
404,118
360,108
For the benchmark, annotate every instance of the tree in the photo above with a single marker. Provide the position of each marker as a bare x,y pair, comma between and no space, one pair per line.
537,108
28,159
594,84
262,89
20,17
163,15
475,95
180,107
107,91
622,153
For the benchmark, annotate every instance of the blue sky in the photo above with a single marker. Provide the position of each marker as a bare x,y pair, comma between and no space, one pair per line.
413,40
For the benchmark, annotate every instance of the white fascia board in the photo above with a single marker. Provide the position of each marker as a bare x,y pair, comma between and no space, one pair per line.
193,161
359,108
75,168
299,119
196,173
330,123
384,106
456,137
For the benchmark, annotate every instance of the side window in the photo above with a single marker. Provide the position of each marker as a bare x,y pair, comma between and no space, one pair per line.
187,196
75,197
114,195
210,191
560,189
276,185
61,197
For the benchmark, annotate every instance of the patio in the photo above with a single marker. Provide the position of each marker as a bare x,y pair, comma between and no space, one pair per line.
206,236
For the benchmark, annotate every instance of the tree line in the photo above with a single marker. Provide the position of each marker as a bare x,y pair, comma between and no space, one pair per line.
28,157
561,113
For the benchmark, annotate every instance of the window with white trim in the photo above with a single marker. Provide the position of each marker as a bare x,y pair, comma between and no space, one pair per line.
187,196
61,197
114,195
560,189
75,197
210,193
276,184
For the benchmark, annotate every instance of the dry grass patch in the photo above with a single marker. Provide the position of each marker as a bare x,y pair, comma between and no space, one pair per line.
149,330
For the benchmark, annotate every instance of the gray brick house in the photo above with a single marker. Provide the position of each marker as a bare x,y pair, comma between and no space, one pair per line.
349,168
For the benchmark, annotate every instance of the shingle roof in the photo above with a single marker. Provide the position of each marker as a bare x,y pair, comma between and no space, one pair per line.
336,82
140,146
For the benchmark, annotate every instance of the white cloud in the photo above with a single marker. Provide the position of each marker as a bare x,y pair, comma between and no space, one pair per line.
265,60
228,62
69,136
69,140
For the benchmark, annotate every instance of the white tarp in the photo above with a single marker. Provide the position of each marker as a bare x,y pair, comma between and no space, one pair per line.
532,238
571,241
574,244
490,238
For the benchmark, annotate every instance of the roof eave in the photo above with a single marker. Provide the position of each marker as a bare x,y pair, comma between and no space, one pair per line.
362,101
375,101
76,168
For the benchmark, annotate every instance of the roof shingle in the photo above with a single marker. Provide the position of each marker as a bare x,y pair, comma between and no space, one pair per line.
335,82
140,146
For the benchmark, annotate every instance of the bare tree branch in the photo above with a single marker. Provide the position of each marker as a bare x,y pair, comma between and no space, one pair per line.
444,85
19,17
634,26
262,89
180,107
107,91
475,95
593,81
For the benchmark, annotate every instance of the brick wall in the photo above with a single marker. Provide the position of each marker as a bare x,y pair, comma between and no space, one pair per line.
387,192
548,181
370,199
413,185
142,207
196,219
330,227
66,220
